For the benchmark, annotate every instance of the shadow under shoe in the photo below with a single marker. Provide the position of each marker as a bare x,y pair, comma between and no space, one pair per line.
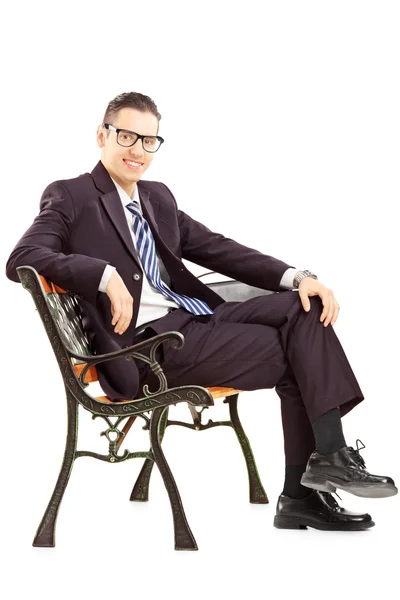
346,469
320,511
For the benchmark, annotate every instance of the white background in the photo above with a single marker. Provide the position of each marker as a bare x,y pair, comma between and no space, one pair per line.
281,122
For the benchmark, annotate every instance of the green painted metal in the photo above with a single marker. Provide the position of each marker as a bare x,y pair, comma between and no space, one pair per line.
60,315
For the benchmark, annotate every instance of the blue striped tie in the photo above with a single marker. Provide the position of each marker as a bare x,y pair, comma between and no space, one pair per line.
147,253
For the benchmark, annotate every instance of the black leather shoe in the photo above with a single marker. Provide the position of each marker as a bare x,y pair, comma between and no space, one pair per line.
319,510
345,469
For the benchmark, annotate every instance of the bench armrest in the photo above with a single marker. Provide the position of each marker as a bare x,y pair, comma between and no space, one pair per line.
175,339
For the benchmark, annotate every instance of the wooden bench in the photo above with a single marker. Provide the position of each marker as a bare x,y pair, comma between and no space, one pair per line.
60,314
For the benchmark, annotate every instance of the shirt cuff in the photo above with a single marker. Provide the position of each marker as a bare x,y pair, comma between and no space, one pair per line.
287,278
108,271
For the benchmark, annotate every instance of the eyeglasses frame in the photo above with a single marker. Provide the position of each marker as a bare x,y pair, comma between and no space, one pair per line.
139,137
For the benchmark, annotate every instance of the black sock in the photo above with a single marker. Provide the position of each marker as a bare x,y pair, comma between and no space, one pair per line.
328,432
292,486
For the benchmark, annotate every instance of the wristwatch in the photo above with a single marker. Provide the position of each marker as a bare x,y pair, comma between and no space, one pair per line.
302,275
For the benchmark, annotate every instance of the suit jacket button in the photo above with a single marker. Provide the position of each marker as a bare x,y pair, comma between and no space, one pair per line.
136,276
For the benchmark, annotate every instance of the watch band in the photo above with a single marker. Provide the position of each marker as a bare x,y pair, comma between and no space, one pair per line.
302,275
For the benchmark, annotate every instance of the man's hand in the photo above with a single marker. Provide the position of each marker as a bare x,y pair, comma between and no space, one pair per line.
121,303
312,287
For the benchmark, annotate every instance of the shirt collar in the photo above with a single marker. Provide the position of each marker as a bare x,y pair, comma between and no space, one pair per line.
125,199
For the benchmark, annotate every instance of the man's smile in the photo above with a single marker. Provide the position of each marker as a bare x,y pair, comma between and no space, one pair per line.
132,164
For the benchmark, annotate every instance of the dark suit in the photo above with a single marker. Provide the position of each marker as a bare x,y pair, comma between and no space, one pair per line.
82,227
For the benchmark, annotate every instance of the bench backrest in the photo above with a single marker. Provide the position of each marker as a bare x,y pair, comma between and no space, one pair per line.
64,310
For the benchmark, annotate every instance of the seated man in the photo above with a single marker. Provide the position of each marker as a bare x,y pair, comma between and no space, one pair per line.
118,243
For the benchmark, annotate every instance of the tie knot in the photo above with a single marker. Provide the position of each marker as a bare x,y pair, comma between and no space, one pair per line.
134,208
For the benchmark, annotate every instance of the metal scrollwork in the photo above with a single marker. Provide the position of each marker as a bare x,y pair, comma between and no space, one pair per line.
171,396
86,401
64,364
113,434
107,409
73,385
28,282
56,344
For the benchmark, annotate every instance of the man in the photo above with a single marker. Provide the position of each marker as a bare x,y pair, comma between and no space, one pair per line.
118,242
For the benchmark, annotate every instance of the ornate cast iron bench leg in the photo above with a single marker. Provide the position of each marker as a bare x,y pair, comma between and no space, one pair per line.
257,492
140,492
184,539
45,535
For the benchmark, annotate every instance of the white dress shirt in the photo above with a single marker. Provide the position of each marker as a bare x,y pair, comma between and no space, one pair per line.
153,304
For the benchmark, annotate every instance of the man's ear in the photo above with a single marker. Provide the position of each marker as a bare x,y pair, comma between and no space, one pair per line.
100,136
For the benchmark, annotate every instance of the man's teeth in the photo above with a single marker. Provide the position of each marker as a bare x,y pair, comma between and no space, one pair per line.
135,164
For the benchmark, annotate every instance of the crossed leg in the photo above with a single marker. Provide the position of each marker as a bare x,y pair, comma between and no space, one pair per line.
266,342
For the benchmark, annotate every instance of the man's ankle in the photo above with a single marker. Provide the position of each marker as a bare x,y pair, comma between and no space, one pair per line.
292,486
328,432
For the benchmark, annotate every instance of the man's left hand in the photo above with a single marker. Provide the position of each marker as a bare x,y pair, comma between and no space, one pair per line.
312,287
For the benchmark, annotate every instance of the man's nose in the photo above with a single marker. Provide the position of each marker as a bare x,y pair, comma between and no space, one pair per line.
137,148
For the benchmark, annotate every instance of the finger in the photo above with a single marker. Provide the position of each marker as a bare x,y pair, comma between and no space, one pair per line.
326,303
330,314
126,317
122,326
116,310
124,321
304,301
336,315
333,311
121,309
329,309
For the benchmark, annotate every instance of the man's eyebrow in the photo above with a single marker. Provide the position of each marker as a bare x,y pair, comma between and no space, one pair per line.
135,132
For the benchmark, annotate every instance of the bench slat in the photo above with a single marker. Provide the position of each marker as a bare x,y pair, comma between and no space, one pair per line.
91,377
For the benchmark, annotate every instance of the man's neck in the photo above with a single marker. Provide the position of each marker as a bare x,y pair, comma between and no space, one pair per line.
129,188
122,189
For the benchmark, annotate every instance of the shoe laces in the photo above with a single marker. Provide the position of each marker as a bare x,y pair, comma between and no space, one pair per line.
356,456
331,500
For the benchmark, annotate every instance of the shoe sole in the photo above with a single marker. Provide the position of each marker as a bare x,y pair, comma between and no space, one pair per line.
322,484
284,522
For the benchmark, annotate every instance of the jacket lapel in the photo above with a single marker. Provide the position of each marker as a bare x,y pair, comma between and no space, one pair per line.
113,207
183,282
150,209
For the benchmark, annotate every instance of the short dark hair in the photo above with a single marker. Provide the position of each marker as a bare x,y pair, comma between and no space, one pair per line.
130,100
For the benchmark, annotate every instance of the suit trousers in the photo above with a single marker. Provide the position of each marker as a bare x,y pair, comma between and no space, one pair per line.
265,342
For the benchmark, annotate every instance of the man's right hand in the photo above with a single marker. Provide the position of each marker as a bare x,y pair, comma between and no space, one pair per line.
121,303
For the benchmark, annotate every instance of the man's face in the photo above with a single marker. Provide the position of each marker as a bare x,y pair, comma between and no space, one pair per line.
119,160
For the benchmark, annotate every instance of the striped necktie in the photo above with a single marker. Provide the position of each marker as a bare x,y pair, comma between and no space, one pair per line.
147,253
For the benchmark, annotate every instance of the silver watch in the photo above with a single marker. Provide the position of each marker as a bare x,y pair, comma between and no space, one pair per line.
302,275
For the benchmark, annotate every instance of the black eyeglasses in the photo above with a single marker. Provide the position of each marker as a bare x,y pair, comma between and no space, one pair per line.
151,143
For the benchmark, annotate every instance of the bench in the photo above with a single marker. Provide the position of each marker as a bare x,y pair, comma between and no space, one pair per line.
60,314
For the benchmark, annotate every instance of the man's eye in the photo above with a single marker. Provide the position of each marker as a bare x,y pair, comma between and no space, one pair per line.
150,141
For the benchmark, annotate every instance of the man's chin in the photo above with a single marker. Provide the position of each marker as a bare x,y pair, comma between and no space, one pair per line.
130,177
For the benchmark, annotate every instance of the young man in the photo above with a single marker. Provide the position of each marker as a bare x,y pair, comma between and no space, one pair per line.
118,243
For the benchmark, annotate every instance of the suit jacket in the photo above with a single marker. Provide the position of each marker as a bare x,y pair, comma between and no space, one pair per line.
82,227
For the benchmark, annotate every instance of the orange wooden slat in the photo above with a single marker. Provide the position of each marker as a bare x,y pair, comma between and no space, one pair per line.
90,375
50,287
222,392
216,392
125,430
